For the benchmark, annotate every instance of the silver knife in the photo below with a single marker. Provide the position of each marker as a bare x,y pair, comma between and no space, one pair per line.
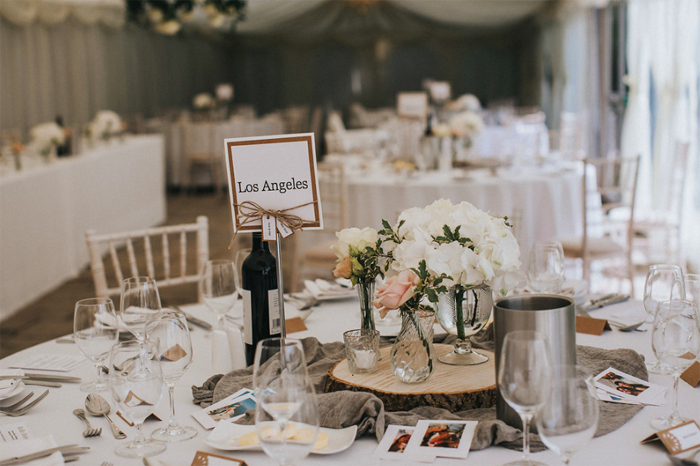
614,300
40,454
44,377
192,319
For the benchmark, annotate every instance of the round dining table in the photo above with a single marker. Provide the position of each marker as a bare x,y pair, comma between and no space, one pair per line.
327,321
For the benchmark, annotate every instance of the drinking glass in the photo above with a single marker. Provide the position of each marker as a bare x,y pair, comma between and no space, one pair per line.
217,285
569,416
136,382
139,301
546,267
676,344
663,282
170,335
96,330
286,412
523,380
691,282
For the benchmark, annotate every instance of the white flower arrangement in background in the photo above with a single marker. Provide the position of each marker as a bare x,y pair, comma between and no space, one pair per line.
105,125
466,102
460,244
203,101
466,125
46,136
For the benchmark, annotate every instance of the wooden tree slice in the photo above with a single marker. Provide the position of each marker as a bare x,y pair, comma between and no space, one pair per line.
455,388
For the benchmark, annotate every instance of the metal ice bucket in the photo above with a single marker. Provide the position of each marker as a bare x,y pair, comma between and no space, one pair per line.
552,316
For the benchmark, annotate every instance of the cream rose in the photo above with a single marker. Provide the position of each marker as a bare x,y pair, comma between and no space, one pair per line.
359,239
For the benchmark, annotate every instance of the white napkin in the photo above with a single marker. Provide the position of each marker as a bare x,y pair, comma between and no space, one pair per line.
325,290
33,445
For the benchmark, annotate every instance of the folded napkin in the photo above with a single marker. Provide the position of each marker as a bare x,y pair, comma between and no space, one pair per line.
32,445
343,409
325,290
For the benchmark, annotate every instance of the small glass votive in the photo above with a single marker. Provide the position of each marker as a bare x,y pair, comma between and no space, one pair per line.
362,350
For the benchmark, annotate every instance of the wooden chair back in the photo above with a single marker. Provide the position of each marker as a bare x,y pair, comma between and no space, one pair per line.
166,272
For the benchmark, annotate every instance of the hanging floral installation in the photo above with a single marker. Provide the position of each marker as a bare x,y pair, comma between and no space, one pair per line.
168,16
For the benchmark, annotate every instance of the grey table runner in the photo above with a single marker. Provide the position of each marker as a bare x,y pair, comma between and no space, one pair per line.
343,409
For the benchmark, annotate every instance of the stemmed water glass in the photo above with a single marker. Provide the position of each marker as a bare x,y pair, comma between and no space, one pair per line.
96,330
139,301
286,412
523,380
169,333
217,285
546,267
691,282
569,417
136,382
663,282
676,344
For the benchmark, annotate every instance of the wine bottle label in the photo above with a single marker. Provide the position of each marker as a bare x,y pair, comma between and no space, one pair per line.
274,310
247,317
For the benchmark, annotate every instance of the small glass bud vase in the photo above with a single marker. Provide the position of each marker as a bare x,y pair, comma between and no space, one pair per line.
365,291
412,357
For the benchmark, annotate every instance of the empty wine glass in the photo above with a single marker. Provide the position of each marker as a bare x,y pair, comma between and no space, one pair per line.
217,286
569,417
169,333
676,344
663,282
241,255
286,412
139,300
691,282
523,380
546,267
96,330
136,382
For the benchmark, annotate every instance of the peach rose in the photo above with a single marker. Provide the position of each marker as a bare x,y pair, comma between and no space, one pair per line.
395,291
343,268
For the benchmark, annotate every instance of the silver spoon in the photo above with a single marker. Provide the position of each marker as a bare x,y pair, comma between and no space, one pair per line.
98,406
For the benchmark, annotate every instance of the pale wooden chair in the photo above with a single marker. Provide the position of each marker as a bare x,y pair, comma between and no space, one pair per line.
608,184
318,259
200,150
168,276
340,140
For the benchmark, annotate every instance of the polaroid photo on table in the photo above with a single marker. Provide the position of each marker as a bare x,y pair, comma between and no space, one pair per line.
229,409
446,439
627,386
393,446
612,398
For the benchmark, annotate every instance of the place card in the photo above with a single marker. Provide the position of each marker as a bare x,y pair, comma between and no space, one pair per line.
203,458
271,177
295,324
692,374
151,417
678,439
445,439
50,362
12,432
412,105
591,325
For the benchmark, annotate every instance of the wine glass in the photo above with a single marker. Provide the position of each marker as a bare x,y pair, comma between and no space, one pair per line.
676,344
286,412
139,300
663,282
217,286
169,333
523,380
569,417
241,255
546,267
96,330
691,282
136,382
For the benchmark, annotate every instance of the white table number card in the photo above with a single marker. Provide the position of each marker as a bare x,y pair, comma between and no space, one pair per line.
412,105
273,173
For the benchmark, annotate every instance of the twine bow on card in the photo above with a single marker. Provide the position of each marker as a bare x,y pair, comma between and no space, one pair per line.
251,212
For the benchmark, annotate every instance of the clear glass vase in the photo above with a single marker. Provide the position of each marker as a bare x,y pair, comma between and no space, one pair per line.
412,357
462,313
365,291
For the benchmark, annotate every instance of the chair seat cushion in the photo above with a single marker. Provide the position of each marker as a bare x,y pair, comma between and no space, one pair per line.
597,247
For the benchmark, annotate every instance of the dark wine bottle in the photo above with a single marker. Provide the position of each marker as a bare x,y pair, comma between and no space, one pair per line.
261,306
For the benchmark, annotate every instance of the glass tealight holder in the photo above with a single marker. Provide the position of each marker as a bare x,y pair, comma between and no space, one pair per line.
362,350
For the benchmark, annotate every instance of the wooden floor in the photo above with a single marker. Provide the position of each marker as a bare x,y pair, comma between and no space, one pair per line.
51,315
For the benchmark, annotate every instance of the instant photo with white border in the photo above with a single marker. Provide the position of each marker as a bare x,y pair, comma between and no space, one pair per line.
204,417
388,448
442,438
627,386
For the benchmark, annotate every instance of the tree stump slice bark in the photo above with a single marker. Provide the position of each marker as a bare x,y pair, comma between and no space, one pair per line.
455,388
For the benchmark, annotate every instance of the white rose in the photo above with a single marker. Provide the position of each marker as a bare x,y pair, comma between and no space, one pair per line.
355,237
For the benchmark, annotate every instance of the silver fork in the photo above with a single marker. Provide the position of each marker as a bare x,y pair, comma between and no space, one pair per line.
89,432
12,407
21,411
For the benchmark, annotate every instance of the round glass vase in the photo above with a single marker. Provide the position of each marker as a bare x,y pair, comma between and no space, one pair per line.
464,312
365,290
412,358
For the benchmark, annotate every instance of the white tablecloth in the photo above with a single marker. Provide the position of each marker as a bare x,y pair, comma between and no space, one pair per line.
520,140
327,322
45,210
546,202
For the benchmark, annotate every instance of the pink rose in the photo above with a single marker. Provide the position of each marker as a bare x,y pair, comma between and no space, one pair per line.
344,268
395,291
